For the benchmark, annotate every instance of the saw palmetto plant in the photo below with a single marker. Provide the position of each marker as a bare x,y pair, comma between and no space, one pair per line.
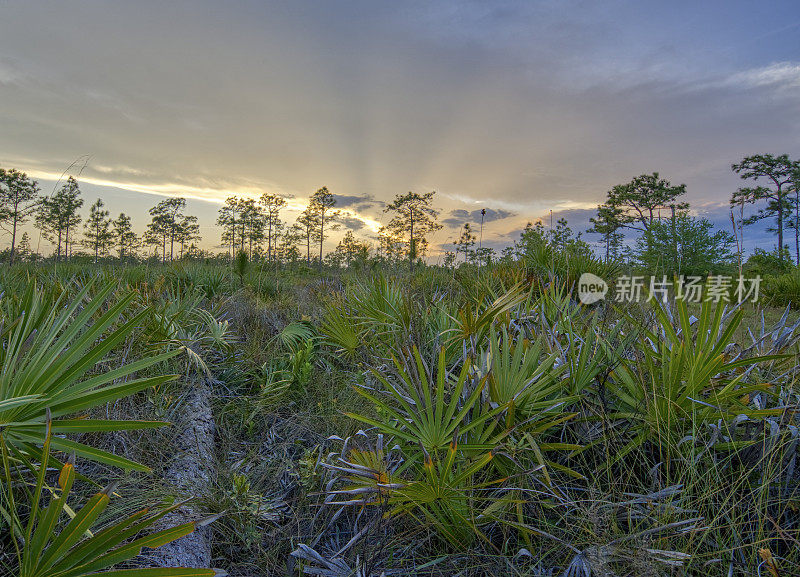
48,357
475,318
683,375
455,422
59,542
522,376
342,331
442,490
429,407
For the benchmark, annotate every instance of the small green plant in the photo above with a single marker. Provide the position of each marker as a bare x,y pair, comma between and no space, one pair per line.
301,365
784,289
78,551
424,416
241,264
522,377
342,331
246,508
683,376
47,355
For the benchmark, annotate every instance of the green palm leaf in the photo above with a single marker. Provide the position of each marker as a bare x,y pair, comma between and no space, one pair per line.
48,353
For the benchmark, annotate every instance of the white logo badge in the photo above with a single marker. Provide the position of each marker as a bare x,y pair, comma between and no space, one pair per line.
591,288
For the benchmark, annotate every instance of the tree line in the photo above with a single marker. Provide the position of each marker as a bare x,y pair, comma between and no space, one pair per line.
58,219
649,206
638,205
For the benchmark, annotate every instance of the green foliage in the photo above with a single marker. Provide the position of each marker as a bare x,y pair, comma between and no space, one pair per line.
240,266
75,550
445,495
474,320
684,245
296,335
588,349
783,290
498,425
558,256
423,414
522,377
341,331
684,377
766,263
49,350
382,310
245,510
301,364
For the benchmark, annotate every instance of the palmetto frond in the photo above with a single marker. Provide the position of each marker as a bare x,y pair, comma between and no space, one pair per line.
47,360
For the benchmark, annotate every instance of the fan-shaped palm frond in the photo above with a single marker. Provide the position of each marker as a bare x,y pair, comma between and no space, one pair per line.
47,357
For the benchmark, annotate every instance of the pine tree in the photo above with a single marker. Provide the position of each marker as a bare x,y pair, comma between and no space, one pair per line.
156,234
465,242
167,220
794,222
778,172
640,200
287,250
57,216
125,239
390,245
414,218
19,197
229,221
50,219
305,227
351,249
187,233
70,199
608,225
24,249
253,220
321,213
97,230
272,205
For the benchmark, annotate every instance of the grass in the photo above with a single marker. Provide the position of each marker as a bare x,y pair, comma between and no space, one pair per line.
452,423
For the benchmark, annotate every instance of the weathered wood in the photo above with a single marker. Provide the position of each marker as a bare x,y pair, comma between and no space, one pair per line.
190,473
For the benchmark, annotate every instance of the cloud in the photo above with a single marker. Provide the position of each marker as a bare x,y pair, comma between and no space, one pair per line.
355,201
522,106
9,75
459,216
352,222
780,75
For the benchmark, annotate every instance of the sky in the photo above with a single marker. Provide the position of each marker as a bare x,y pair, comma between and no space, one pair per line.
519,107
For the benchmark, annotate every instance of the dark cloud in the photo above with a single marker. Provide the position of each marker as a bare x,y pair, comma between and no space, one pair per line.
352,223
357,202
368,207
458,217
